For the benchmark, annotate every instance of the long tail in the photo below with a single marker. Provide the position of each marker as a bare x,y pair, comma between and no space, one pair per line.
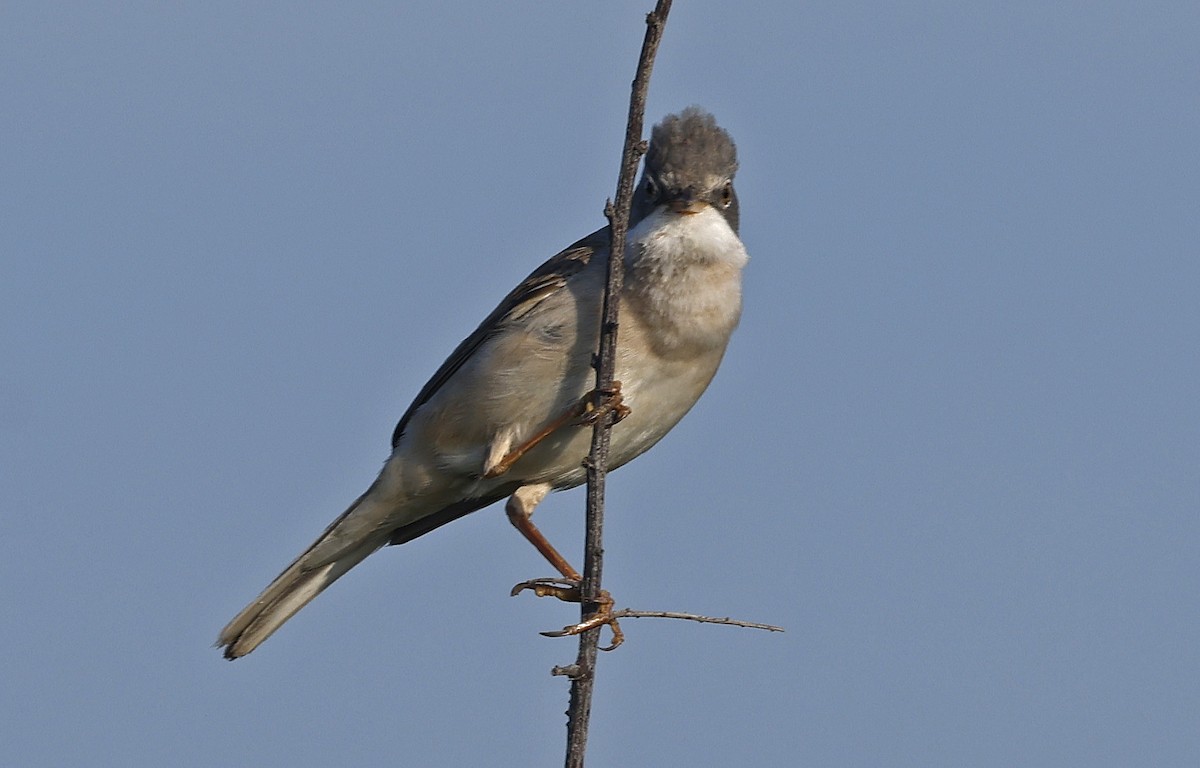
320,565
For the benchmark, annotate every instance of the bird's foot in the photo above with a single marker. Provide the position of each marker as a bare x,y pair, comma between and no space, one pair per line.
601,401
568,591
586,412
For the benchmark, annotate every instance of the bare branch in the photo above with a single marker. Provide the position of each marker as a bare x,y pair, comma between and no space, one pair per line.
583,677
629,613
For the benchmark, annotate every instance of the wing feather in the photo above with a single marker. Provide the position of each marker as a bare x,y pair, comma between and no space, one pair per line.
542,282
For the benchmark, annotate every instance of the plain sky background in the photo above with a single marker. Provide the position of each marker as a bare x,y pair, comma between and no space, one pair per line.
954,447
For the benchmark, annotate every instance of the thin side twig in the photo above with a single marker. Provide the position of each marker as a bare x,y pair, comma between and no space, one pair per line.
583,671
629,613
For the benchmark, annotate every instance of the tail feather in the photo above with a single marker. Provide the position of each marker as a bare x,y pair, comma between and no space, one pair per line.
329,558
291,591
344,544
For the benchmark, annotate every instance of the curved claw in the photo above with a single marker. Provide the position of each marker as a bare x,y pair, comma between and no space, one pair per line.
600,402
599,619
568,591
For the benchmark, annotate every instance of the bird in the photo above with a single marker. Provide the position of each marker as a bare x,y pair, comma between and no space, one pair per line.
501,417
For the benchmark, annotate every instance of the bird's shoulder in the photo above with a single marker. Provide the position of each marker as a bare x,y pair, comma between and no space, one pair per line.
549,278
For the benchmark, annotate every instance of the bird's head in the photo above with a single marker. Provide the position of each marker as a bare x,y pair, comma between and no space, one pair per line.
690,164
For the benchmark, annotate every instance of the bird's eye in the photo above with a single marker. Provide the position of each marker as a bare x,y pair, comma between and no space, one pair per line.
650,187
727,194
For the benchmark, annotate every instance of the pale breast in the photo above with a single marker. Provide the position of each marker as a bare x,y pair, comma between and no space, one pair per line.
680,303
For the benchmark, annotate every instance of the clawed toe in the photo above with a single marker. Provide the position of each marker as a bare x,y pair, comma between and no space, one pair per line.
600,618
568,591
600,402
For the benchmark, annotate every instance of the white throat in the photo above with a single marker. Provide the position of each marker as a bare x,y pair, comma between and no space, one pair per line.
702,236
684,278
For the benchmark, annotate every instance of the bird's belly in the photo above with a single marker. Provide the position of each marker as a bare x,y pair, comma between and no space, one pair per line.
658,396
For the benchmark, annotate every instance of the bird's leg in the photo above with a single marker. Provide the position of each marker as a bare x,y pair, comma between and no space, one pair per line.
520,513
587,411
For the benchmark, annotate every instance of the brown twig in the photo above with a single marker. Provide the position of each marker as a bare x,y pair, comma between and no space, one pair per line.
629,613
583,671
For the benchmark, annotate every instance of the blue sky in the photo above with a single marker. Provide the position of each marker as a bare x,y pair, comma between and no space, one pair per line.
953,447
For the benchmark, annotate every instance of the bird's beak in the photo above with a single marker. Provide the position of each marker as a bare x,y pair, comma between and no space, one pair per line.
687,205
